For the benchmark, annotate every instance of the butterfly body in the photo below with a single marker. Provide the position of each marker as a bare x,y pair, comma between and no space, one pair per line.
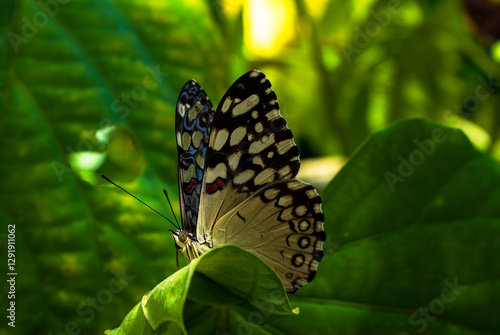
237,168
189,245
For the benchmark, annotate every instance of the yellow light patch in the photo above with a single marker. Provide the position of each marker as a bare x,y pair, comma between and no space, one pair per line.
269,25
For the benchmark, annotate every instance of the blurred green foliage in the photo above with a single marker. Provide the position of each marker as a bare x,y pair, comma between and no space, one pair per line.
91,86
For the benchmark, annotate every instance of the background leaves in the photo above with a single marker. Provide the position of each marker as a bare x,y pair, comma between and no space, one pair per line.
70,69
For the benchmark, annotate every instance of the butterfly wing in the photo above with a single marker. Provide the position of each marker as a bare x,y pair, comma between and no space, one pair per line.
282,224
250,146
194,113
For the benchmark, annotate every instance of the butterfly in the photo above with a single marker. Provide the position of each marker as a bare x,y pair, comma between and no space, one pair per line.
237,168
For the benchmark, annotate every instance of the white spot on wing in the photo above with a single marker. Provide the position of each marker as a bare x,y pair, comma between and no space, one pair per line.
186,141
243,177
296,185
200,159
258,146
263,176
218,171
182,109
301,210
237,135
273,114
311,194
226,105
220,139
259,127
194,111
246,105
271,193
285,201
284,171
197,137
234,160
188,174
258,161
284,146
179,139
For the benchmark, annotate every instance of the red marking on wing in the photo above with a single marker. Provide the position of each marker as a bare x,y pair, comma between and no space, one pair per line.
217,184
190,187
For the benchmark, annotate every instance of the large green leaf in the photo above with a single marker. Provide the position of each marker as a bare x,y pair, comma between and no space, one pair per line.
405,252
413,239
87,253
219,279
69,68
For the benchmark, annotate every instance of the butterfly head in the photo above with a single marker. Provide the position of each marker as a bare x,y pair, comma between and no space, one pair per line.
187,243
181,237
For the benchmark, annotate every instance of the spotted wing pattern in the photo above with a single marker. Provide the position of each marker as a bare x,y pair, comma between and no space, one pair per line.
249,195
283,225
250,146
194,114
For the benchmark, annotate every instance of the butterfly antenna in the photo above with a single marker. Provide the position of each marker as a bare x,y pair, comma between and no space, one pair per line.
170,204
136,198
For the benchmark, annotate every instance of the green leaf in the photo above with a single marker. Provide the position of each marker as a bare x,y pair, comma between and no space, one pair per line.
419,254
69,71
222,277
